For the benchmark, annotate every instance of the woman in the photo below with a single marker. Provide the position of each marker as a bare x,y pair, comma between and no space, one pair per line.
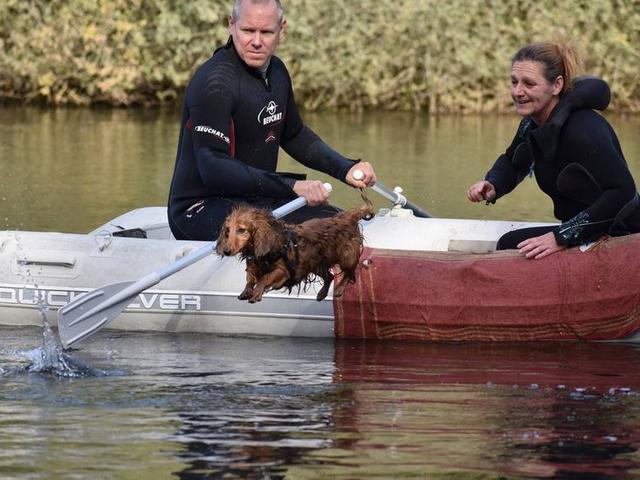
573,152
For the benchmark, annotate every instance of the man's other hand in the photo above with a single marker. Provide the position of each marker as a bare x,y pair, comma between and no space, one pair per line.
312,190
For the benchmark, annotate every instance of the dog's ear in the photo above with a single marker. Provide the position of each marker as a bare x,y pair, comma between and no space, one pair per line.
222,238
265,236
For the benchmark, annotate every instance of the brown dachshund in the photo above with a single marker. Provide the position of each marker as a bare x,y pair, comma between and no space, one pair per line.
280,255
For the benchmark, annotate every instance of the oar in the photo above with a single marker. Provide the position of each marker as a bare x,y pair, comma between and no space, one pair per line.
92,311
395,196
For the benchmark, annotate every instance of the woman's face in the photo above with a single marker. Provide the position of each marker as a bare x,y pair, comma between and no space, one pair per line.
533,96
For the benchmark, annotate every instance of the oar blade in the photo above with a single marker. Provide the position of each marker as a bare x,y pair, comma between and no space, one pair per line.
90,312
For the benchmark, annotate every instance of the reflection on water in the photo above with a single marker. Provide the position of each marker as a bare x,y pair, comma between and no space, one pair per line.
546,411
195,406
73,169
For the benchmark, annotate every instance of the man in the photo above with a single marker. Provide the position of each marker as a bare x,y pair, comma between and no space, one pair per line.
238,110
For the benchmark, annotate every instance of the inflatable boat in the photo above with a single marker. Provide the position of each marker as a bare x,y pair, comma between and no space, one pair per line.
419,278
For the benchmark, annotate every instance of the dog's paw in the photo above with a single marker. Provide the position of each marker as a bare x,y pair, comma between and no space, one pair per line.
246,293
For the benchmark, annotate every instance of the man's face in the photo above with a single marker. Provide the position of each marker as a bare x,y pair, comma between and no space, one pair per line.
256,32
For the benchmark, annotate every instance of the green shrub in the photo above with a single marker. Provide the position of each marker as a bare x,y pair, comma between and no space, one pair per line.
429,55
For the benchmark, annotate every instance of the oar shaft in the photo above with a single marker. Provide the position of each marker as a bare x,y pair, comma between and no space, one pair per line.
178,265
287,208
417,211
395,197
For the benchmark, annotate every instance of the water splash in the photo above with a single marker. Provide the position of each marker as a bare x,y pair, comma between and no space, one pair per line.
50,358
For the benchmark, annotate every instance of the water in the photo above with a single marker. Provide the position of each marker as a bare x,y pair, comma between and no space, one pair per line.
201,406
194,406
72,170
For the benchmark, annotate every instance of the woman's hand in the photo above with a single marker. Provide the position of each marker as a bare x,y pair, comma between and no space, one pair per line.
539,247
480,191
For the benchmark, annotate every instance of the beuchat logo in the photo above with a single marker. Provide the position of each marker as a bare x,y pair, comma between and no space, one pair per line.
269,114
212,131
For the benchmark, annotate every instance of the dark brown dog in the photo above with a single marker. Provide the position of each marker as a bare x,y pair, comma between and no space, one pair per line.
280,255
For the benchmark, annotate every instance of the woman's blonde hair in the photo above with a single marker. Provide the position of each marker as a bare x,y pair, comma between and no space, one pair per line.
558,59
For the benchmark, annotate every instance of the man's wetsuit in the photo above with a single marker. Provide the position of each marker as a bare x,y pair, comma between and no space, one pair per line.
577,161
234,121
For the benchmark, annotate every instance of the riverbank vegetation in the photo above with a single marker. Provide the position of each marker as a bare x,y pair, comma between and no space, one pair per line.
422,55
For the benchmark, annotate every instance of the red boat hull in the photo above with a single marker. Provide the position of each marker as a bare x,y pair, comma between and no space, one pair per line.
500,296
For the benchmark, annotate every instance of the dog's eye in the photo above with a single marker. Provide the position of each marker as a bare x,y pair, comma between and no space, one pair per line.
242,231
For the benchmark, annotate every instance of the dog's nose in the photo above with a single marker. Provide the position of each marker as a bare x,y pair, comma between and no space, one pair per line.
227,252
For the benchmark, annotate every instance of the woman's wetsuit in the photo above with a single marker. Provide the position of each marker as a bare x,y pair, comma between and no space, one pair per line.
577,161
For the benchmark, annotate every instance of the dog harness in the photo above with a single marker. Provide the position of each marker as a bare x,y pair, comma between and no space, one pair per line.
272,257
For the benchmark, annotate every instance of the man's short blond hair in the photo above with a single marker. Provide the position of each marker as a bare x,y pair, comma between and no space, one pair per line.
236,8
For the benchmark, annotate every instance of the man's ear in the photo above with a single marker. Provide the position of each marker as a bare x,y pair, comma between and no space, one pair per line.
230,24
283,27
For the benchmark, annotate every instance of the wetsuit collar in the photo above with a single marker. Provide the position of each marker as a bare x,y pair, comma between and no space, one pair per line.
588,92
547,136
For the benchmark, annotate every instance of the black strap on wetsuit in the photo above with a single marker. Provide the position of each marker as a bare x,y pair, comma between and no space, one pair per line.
272,257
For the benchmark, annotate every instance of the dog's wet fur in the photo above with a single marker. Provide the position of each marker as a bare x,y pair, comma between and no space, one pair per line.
280,255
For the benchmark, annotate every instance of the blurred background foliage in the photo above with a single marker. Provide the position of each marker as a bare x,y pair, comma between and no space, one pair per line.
421,55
